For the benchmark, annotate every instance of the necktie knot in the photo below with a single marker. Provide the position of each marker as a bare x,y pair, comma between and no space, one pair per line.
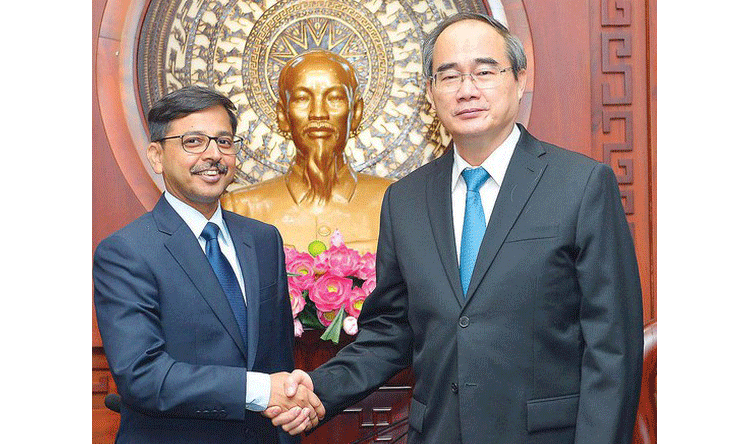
210,232
475,178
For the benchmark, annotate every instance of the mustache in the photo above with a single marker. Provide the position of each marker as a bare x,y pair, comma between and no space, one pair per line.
220,167
316,126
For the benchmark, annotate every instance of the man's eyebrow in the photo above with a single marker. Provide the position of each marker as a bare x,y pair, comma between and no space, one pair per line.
298,88
477,61
485,61
446,66
205,133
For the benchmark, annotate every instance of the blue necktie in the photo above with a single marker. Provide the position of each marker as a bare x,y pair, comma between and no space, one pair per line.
474,223
226,276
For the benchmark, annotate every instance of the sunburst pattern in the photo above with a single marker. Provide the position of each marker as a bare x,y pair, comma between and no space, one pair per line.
316,33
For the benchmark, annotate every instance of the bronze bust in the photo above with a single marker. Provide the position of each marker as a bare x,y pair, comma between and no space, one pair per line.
319,107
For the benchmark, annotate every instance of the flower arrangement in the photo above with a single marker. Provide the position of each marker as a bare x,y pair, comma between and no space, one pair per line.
327,286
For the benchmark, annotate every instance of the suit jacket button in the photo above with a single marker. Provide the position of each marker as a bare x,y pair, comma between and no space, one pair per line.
454,387
464,321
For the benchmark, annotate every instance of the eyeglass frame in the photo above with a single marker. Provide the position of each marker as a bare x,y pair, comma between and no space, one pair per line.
434,82
236,141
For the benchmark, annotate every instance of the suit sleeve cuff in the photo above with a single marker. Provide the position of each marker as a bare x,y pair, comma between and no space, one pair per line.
258,391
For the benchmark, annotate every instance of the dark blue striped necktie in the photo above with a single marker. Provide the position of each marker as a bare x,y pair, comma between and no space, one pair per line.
226,276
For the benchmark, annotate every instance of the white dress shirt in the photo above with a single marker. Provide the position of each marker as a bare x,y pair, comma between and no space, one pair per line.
258,385
496,165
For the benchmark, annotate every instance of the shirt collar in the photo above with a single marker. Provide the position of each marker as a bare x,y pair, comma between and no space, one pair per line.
495,164
193,218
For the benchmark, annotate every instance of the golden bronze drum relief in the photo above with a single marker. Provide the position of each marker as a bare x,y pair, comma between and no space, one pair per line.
240,47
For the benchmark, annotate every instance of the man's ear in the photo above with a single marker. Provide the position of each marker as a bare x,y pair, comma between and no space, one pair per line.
281,118
154,152
521,83
357,111
430,99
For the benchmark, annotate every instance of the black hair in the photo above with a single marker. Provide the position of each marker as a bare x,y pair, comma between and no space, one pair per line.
184,101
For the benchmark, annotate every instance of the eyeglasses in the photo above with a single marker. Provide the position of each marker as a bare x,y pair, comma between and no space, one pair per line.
198,143
484,78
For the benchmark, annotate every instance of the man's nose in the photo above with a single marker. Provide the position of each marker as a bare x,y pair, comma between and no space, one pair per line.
467,89
318,110
212,150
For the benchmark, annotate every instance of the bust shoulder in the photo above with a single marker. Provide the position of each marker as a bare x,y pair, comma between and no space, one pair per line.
241,199
370,190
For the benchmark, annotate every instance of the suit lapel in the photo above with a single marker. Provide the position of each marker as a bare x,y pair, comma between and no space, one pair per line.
185,249
244,246
523,174
440,212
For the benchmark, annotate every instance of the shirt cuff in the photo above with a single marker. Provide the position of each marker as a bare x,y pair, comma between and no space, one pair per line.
258,391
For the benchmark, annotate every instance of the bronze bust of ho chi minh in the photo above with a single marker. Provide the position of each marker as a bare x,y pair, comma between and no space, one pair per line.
319,107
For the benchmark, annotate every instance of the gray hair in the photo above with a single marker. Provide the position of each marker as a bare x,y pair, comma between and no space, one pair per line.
513,46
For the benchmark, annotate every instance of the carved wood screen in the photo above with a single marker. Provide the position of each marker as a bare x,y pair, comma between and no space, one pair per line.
592,89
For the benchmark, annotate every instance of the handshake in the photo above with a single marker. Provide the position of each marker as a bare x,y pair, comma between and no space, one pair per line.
292,404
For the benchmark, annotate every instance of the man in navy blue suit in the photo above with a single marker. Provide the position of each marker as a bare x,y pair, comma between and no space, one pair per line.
192,301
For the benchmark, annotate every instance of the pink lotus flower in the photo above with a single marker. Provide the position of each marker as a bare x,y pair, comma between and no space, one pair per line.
338,260
356,299
330,292
298,328
327,317
296,298
368,286
367,267
350,325
300,267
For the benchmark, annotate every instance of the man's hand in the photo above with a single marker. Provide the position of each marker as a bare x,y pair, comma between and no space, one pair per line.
293,405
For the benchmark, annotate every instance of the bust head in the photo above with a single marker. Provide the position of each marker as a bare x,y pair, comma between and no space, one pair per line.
319,106
318,101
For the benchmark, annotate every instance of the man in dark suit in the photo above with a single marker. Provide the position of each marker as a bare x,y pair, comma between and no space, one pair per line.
523,329
192,301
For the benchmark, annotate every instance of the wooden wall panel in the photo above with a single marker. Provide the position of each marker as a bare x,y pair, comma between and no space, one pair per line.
113,201
113,205
594,91
560,113
620,113
651,92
